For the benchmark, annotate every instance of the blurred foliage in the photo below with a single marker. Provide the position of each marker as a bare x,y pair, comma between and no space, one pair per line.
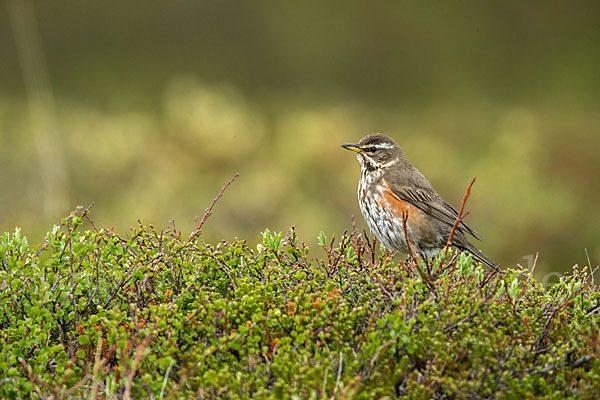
156,314
157,104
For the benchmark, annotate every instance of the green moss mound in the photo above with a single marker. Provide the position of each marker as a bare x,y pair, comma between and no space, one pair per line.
154,314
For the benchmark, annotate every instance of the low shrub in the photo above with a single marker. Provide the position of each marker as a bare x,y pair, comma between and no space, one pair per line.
153,314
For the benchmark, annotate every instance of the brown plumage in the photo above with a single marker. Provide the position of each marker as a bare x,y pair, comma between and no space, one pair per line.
390,188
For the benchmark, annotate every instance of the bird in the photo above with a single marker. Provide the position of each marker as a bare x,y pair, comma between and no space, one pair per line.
392,194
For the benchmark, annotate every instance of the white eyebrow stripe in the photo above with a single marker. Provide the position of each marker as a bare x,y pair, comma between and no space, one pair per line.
382,145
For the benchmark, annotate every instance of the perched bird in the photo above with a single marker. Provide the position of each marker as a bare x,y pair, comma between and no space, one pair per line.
391,189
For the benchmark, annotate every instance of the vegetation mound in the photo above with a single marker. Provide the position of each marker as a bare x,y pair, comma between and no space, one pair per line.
154,314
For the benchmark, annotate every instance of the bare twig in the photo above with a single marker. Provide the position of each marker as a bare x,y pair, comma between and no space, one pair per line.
207,214
461,214
35,379
575,364
86,216
404,227
208,211
410,252
141,351
532,268
96,368
339,374
589,264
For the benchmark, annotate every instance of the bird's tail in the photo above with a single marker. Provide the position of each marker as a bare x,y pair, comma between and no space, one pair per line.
480,256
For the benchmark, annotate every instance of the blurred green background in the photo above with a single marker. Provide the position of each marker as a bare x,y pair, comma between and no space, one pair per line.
148,107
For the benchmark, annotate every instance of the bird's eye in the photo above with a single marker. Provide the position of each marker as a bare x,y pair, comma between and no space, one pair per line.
372,149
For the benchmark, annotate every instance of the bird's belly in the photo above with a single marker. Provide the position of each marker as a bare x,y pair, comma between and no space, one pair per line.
387,227
383,223
385,218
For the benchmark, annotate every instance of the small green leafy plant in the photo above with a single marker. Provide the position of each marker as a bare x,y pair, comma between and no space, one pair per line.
153,314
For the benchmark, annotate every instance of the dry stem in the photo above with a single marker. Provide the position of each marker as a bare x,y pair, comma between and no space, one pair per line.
460,216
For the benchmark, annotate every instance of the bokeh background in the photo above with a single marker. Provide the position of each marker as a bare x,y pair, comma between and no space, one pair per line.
148,107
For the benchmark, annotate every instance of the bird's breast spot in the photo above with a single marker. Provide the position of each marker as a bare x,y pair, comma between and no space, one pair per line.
398,207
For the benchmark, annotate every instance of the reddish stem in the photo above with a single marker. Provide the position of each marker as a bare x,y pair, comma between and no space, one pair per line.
460,216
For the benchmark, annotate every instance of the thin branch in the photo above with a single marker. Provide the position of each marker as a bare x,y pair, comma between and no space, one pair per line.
404,227
575,364
589,264
410,252
208,211
207,214
461,214
140,353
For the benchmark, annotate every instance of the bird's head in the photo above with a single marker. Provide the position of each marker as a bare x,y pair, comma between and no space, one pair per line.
376,151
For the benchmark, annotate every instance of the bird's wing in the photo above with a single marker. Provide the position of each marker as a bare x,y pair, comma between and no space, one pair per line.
432,204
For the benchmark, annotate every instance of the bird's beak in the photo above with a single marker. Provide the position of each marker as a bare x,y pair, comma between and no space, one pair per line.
352,147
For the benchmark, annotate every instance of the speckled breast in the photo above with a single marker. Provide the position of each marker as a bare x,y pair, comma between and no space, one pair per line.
380,217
